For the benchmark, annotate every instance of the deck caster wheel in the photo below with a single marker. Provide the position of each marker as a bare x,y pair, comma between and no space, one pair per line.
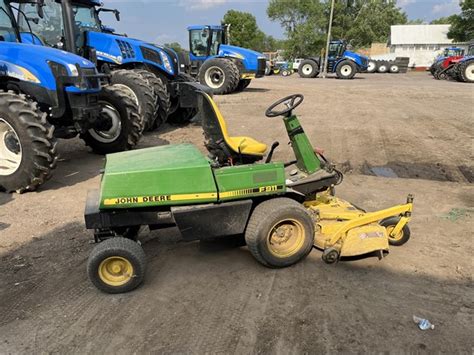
402,237
330,255
117,265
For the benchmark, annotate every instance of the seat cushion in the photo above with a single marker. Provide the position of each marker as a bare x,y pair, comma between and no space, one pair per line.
247,145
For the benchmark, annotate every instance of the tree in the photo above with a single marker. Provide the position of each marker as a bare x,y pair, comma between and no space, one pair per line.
175,46
443,20
462,26
244,31
359,21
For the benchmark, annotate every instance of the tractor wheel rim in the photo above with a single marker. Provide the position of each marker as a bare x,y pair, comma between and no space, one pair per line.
11,152
286,238
394,69
470,72
371,66
395,238
346,70
132,93
382,68
307,69
215,77
115,271
111,134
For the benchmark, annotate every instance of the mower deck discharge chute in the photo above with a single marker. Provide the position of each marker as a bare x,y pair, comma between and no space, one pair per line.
282,210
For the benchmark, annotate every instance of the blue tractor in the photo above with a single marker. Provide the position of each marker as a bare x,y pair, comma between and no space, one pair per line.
47,94
218,65
341,61
150,73
464,69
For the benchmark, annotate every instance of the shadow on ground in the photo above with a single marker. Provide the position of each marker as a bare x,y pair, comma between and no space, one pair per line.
202,298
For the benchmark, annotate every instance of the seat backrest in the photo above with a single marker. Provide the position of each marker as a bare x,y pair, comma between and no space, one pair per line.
213,123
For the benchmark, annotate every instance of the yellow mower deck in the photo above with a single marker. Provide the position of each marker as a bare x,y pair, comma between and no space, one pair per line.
344,230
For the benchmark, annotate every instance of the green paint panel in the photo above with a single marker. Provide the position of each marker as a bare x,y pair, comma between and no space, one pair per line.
166,175
304,151
237,182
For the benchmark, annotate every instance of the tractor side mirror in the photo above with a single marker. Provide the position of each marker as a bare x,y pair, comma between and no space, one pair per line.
117,15
39,9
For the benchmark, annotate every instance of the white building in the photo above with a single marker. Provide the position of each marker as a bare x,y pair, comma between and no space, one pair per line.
421,43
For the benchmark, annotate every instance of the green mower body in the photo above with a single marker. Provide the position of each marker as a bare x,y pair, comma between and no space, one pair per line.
180,174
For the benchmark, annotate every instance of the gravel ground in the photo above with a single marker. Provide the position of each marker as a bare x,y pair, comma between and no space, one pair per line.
209,298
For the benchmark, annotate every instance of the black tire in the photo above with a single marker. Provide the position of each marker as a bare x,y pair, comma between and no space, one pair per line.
142,93
466,71
117,104
122,251
183,115
162,97
220,75
372,66
265,218
243,84
285,72
394,69
346,70
308,68
383,67
26,134
404,235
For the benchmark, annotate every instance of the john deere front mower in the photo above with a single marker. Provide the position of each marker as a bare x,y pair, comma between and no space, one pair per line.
282,210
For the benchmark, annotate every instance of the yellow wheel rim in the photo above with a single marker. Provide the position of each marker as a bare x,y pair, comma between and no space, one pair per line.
286,238
395,238
115,271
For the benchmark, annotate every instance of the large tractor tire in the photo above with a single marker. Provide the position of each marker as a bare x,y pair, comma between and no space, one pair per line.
280,233
383,67
183,115
27,145
346,69
308,69
243,84
117,265
394,68
162,103
221,75
372,66
140,90
466,71
119,127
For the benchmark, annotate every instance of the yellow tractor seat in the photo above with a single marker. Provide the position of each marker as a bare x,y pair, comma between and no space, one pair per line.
222,146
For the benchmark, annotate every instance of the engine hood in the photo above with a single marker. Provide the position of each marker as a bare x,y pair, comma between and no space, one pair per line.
238,52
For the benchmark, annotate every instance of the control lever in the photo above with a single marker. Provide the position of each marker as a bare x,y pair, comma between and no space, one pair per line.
272,149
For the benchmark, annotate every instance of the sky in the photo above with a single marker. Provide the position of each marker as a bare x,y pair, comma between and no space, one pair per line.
165,21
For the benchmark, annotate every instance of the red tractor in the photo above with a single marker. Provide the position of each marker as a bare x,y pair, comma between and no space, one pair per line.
445,70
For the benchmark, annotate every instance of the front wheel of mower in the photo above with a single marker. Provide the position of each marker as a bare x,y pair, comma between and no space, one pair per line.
280,233
402,237
117,265
119,125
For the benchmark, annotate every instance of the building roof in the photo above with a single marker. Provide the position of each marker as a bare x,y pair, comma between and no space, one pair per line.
420,34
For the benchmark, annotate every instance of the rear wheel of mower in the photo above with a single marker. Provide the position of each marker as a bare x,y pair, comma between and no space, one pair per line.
466,71
220,75
27,146
140,91
280,233
162,103
243,84
308,69
402,237
117,265
346,69
183,115
119,126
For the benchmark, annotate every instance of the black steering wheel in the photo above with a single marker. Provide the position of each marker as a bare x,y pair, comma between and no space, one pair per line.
291,102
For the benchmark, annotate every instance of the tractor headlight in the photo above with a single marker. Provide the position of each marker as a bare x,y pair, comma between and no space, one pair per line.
73,70
58,69
166,62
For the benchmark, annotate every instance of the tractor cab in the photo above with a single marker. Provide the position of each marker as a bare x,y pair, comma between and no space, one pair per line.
205,41
337,49
453,52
